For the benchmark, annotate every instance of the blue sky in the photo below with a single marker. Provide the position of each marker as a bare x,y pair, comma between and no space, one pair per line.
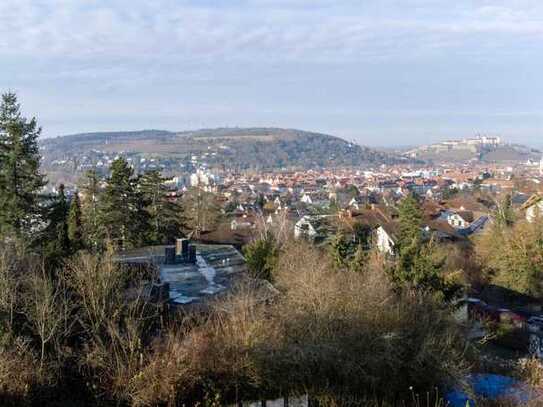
380,72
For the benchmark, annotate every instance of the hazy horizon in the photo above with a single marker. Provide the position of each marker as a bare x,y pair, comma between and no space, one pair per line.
375,145
385,73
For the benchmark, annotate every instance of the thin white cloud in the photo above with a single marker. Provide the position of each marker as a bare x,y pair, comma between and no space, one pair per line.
254,29
287,62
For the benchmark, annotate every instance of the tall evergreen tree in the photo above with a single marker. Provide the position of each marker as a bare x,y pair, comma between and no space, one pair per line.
20,179
340,250
410,219
504,213
359,260
165,216
262,256
75,225
260,201
57,242
93,233
417,264
122,211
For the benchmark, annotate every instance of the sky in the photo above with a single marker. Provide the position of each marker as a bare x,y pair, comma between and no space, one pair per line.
378,72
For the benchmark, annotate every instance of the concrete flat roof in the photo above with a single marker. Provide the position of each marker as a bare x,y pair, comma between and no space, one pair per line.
216,267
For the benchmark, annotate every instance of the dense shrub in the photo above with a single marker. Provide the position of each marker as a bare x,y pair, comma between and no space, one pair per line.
512,256
329,332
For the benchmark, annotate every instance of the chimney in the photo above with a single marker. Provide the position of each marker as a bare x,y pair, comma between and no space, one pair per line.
181,246
169,255
178,247
192,254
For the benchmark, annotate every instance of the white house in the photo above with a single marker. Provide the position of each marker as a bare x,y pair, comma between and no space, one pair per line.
306,199
455,219
354,204
304,228
533,207
385,242
237,224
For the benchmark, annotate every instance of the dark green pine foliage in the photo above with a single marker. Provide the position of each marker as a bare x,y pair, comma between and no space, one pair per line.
504,214
409,243
20,179
362,235
75,224
122,213
410,219
359,260
260,201
56,240
341,249
164,214
261,257
93,233
417,264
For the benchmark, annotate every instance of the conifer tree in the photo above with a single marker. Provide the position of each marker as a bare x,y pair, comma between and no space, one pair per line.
262,256
504,214
417,264
122,212
164,214
93,233
57,242
410,219
340,250
75,226
359,260
20,179
260,201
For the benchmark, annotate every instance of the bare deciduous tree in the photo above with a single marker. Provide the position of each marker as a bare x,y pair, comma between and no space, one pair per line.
279,226
9,284
46,307
97,282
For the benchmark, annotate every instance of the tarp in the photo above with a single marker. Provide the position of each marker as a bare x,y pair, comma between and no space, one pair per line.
492,387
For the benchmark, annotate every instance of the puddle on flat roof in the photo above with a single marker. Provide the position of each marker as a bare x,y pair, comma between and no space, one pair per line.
191,282
209,274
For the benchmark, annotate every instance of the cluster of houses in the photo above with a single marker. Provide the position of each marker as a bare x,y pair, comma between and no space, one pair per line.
315,205
458,202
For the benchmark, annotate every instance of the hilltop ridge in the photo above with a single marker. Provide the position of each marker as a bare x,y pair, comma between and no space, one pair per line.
480,148
259,148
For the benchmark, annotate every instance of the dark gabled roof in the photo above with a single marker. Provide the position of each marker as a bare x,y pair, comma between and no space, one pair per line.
476,226
223,234
534,199
443,229
391,228
466,215
370,217
323,225
519,199
467,202
432,208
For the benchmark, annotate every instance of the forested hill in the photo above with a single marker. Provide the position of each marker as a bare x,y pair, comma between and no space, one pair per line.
260,148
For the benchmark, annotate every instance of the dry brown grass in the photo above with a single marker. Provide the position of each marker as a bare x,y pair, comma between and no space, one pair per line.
329,331
357,333
211,356
19,372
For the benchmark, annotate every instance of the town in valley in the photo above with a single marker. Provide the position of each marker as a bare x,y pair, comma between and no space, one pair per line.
271,203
